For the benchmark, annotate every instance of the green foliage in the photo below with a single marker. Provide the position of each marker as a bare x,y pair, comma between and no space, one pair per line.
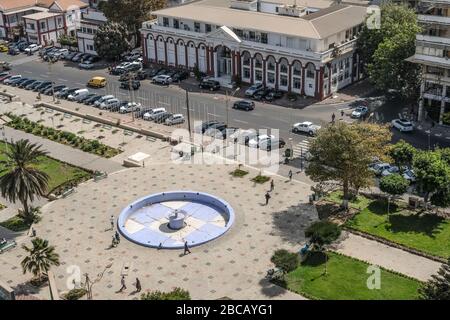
432,172
40,257
402,153
384,50
321,233
285,260
446,118
445,154
438,287
111,40
342,152
75,294
239,173
67,40
16,224
175,294
394,184
260,179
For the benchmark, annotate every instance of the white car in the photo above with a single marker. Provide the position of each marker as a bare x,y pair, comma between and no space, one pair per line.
174,119
130,107
109,104
102,99
12,79
153,113
243,136
253,89
390,170
33,48
360,112
86,65
403,125
409,175
266,142
162,79
378,168
306,127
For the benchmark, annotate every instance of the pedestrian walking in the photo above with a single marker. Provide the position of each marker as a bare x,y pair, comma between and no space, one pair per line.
114,242
117,237
122,282
267,198
333,116
112,222
32,232
342,113
290,175
138,285
186,248
272,185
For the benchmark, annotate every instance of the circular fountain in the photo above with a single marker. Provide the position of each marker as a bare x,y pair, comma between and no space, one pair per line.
176,219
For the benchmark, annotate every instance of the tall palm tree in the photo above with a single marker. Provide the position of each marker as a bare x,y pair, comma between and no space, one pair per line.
21,180
40,258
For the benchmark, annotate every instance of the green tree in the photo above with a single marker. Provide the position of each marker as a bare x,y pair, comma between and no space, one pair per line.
438,287
445,154
394,185
402,153
132,13
111,40
21,180
432,173
343,153
321,234
285,260
175,294
384,50
40,257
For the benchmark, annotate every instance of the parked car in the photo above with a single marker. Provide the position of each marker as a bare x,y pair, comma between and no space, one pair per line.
23,45
273,95
244,105
60,53
42,85
77,57
253,89
142,74
55,89
86,65
204,126
92,100
389,171
409,175
12,79
210,85
90,95
132,56
65,93
153,114
93,59
135,85
110,103
378,168
130,107
161,118
174,119
243,136
26,83
216,130
180,76
126,76
162,79
77,95
13,51
403,125
261,94
19,82
305,127
69,56
32,48
360,112
103,99
32,85
266,142
97,82
4,75
3,48
133,66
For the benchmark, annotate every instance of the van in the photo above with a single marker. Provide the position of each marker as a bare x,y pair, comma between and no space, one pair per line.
78,95
153,113
97,82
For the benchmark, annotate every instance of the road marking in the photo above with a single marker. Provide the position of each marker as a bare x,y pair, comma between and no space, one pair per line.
64,80
44,75
79,84
28,72
214,115
240,121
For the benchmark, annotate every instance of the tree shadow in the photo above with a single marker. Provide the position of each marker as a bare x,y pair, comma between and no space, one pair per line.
290,224
271,289
314,259
379,207
428,224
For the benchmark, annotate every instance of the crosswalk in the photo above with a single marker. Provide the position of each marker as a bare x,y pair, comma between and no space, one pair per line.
301,149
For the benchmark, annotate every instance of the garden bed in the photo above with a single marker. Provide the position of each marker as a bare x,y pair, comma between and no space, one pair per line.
16,224
238,173
261,179
64,137
347,279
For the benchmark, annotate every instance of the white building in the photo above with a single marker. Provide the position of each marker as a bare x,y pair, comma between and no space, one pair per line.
307,48
89,24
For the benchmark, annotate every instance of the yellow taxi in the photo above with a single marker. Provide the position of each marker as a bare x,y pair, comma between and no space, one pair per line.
3,48
97,82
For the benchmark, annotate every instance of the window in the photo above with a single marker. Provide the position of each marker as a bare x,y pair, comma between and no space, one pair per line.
347,62
271,77
165,22
43,25
310,73
197,26
271,66
90,47
283,81
283,68
251,35
59,22
341,77
347,74
238,32
297,83
208,27
258,63
258,75
31,26
176,23
247,73
263,37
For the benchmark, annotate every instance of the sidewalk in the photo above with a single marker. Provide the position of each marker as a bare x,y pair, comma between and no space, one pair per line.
440,131
385,256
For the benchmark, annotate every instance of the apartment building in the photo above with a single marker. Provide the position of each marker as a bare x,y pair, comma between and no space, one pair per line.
301,46
90,21
433,53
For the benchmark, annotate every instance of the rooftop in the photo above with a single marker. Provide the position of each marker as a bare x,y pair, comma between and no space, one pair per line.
320,25
41,15
6,5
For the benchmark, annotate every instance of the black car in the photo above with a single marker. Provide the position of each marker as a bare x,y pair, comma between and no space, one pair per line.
205,125
93,59
65,93
153,72
46,87
214,129
44,84
210,85
261,94
33,85
90,95
49,91
19,82
180,76
13,51
162,118
273,95
92,100
244,105
118,71
126,76
135,84
25,83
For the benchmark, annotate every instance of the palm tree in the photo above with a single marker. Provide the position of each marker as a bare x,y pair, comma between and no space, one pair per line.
22,181
40,258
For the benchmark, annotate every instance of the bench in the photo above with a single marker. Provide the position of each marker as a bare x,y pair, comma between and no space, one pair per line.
107,127
68,192
100,176
7,246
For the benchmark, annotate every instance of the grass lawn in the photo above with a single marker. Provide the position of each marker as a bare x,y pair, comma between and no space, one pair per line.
57,171
426,232
359,202
346,279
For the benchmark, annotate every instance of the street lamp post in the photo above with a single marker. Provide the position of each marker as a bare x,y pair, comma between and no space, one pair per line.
89,283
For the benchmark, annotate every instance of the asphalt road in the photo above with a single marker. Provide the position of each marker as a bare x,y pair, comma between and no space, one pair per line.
204,105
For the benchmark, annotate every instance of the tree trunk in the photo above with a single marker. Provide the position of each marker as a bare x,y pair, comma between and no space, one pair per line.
26,209
345,197
388,203
326,262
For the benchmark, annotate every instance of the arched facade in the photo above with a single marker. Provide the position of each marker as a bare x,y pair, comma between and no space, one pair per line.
271,71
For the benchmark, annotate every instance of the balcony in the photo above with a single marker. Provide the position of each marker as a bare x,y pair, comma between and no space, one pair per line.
426,18
433,39
441,62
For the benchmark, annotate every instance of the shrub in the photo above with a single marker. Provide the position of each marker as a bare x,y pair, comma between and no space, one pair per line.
75,294
16,224
260,179
239,173
285,260
175,294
